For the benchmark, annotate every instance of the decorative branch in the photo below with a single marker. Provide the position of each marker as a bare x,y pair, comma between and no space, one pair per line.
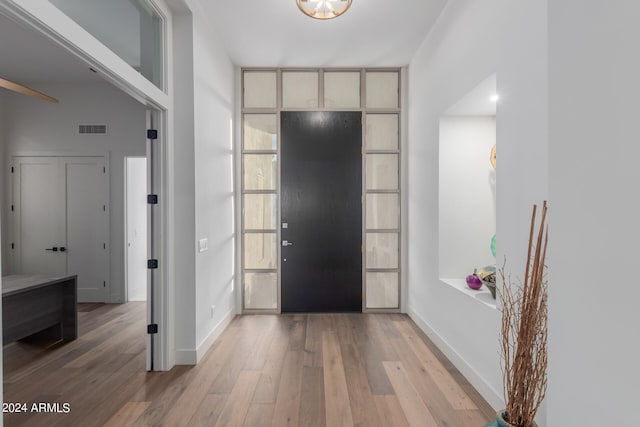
524,331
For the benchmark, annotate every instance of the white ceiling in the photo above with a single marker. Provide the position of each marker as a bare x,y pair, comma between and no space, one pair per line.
29,57
372,33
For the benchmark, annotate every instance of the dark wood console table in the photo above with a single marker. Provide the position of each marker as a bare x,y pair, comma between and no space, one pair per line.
34,303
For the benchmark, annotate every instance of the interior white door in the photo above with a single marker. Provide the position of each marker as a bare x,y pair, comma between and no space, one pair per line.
38,214
61,220
86,225
136,230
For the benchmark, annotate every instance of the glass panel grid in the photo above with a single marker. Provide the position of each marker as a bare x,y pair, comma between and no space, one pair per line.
260,251
382,89
260,211
382,171
259,89
382,132
342,89
382,188
261,290
382,290
382,250
300,89
383,211
260,132
260,171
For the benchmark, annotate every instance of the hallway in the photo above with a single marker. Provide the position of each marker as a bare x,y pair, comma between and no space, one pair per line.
307,370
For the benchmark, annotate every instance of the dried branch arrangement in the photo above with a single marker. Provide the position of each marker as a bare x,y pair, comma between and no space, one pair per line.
524,331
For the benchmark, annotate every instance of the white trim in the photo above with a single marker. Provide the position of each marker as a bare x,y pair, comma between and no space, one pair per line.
193,357
43,17
493,397
63,153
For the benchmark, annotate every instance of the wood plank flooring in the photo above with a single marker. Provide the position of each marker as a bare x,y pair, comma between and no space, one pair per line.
289,370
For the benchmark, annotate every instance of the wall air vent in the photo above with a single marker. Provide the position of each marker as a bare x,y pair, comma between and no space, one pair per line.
92,129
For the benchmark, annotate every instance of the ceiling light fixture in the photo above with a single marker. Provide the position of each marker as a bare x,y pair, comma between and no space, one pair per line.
323,9
495,97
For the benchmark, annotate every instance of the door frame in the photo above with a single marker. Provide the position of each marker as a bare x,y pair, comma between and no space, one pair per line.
11,223
402,177
161,109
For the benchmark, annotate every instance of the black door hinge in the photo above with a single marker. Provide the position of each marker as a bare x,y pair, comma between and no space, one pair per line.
152,134
104,284
152,199
11,208
13,246
152,264
11,169
152,328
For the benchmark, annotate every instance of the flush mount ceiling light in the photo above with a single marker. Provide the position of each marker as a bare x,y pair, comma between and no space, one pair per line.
323,9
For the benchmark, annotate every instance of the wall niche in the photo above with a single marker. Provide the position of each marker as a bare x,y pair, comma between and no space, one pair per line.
467,187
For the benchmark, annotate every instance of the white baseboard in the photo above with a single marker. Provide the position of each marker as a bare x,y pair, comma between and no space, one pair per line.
193,357
486,391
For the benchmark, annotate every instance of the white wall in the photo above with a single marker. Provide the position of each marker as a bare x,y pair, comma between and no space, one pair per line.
471,41
594,184
467,194
183,158
36,127
214,112
204,135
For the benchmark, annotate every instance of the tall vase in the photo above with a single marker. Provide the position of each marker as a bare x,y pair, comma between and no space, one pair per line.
500,422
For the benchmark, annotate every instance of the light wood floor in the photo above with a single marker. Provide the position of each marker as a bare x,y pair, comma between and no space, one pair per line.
289,370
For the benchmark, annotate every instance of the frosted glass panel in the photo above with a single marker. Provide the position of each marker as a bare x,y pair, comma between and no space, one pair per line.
260,171
382,171
132,29
382,132
382,89
382,211
260,89
382,250
299,89
382,290
260,211
260,250
260,132
261,290
342,89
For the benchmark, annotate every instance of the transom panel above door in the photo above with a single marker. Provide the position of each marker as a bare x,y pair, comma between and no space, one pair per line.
270,256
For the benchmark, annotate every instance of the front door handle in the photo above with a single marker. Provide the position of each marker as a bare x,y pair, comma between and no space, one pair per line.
287,243
53,249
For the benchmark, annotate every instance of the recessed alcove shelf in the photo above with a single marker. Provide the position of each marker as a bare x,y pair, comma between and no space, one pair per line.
482,295
467,183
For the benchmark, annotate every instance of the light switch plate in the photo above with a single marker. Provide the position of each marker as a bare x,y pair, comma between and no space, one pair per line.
203,245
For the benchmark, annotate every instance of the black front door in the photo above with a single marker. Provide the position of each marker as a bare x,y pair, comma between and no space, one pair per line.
321,173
